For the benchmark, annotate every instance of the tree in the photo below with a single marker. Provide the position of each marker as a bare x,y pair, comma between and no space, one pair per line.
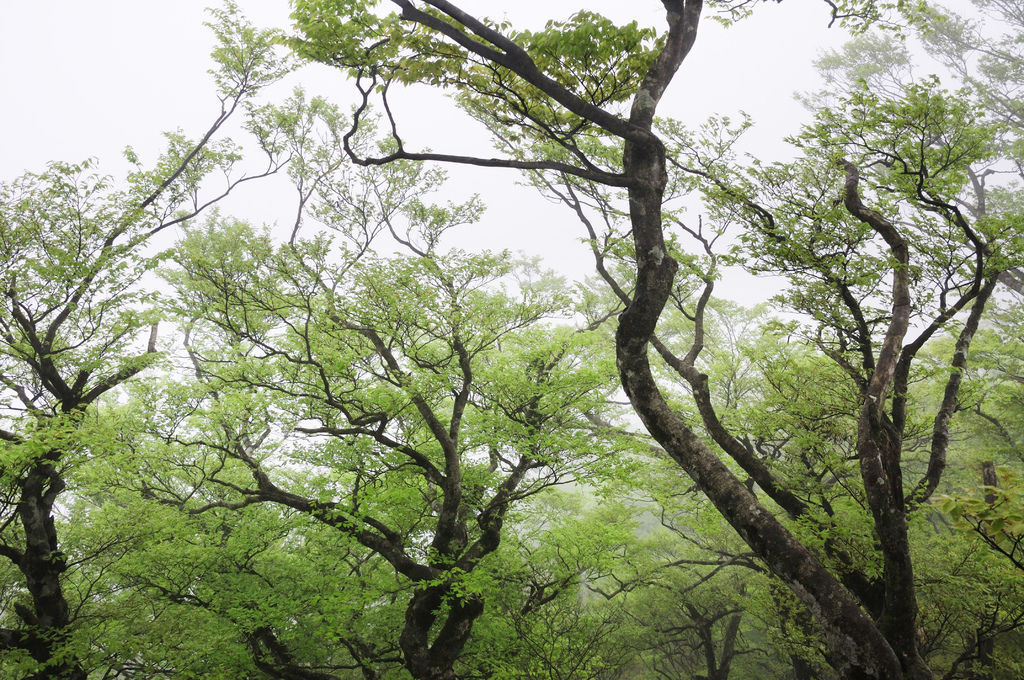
986,57
691,609
566,103
406,403
544,619
73,328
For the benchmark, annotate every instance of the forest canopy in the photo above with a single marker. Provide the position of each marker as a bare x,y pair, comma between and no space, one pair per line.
352,447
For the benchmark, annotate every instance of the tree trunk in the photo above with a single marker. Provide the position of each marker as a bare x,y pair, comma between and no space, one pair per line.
984,669
732,629
426,661
42,565
858,649
879,447
801,669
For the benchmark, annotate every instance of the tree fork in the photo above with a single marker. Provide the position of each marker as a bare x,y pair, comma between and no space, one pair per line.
858,650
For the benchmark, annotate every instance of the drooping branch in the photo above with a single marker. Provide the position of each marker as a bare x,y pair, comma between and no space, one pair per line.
379,538
608,178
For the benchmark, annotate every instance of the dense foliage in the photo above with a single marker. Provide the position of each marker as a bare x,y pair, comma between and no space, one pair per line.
355,450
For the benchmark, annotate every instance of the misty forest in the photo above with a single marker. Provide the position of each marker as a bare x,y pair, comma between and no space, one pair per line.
350,447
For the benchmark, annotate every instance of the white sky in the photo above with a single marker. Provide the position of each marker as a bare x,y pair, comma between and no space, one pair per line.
85,79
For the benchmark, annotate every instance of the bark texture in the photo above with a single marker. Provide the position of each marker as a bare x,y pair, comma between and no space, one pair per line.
42,565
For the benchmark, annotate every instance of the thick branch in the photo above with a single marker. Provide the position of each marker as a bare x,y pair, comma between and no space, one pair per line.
940,428
513,57
128,370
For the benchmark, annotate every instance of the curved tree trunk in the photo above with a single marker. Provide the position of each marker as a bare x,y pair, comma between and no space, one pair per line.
858,649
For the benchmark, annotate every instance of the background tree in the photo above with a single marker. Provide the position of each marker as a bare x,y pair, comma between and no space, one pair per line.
987,58
421,396
544,619
73,327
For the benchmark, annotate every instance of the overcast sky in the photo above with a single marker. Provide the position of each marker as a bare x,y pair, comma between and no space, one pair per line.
85,79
